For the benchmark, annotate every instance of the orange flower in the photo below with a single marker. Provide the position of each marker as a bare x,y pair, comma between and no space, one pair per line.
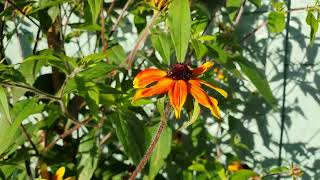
178,82
45,175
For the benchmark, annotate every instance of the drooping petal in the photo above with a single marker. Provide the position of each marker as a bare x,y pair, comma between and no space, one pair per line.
59,173
202,97
178,95
201,69
161,87
148,76
219,90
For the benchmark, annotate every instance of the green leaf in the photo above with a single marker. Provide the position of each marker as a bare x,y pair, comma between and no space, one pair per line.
243,174
163,44
89,155
93,72
197,167
180,27
96,71
194,117
276,22
199,48
278,170
314,25
95,6
257,3
93,58
217,53
9,131
8,73
131,134
49,58
258,79
161,151
4,106
116,54
233,7
91,93
160,106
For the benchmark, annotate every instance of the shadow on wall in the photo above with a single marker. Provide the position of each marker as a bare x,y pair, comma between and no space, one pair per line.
303,75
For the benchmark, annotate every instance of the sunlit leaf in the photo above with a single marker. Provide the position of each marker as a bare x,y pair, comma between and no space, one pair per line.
180,27
95,6
276,22
88,153
314,24
259,80
163,44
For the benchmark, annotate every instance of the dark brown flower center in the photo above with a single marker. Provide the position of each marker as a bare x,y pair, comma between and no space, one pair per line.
180,72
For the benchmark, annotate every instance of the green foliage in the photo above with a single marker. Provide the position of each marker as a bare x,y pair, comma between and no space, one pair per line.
276,22
180,27
67,102
314,25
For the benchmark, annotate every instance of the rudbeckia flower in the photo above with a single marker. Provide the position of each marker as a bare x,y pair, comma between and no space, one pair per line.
45,175
178,82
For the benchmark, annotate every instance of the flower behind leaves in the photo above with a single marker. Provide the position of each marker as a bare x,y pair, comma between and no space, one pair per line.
178,82
45,175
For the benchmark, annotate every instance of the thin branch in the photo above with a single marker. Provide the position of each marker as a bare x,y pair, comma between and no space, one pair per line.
240,12
20,10
142,38
36,42
103,38
49,96
25,132
143,162
247,36
105,138
114,27
66,133
110,8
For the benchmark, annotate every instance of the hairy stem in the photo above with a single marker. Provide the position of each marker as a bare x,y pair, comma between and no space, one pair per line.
144,160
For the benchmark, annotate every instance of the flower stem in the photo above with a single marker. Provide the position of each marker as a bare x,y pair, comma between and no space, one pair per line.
144,160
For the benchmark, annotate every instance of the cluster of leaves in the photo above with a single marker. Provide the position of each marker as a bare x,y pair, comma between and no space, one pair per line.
79,114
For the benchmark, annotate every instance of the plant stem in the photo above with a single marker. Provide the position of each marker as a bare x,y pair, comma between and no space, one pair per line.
147,155
114,27
46,95
141,39
144,160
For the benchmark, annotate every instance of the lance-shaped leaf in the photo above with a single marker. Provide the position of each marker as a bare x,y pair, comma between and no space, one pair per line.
180,27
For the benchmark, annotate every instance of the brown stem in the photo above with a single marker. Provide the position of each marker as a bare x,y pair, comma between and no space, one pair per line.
247,36
144,160
149,151
141,39
66,133
103,39
114,27
34,90
29,139
240,12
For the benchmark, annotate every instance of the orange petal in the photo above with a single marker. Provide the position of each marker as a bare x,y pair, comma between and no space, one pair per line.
201,69
219,90
178,95
59,173
203,98
161,87
148,76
